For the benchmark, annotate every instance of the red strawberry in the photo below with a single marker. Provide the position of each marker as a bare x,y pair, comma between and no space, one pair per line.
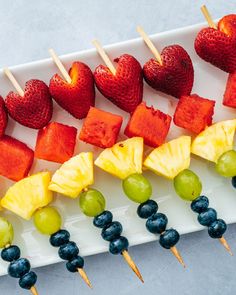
175,76
217,48
16,158
75,97
3,117
125,88
230,92
34,109
227,25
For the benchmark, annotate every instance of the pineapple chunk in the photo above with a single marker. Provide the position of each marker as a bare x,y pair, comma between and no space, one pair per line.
27,195
170,158
215,140
123,159
73,176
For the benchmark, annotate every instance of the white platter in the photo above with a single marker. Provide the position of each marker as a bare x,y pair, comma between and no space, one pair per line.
209,82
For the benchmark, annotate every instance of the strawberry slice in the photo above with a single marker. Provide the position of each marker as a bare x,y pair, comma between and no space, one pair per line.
227,24
56,142
3,117
101,128
230,92
149,123
194,113
16,158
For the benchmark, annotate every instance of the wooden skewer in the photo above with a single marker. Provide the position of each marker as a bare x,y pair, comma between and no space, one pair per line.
14,82
176,253
104,56
226,245
84,277
34,290
132,265
149,44
208,17
60,66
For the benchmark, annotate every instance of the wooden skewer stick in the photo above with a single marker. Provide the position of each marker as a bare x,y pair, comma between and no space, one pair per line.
208,17
14,82
177,255
149,44
226,245
132,265
104,56
60,66
84,277
33,290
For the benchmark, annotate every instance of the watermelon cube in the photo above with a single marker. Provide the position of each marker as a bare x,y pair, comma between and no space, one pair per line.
149,123
56,142
194,113
230,92
101,128
16,158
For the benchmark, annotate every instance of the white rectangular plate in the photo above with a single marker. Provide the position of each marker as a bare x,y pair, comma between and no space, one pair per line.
209,82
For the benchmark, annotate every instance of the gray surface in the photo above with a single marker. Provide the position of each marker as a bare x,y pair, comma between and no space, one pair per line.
28,29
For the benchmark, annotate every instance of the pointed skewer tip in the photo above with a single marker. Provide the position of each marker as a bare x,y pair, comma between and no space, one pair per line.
34,290
176,253
85,277
132,265
226,245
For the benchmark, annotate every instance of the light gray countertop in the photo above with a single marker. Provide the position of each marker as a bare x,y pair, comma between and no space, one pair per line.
28,29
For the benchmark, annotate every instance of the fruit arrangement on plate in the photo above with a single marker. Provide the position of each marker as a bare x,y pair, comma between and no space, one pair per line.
60,161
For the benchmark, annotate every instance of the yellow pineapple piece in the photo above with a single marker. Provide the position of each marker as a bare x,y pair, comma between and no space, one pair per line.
171,158
27,195
123,159
73,176
215,140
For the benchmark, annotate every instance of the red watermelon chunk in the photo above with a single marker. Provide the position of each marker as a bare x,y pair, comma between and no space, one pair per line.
194,113
230,92
56,142
149,123
101,128
16,158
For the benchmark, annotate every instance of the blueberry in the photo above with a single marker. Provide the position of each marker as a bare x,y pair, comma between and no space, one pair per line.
217,229
60,238
169,238
147,208
68,251
19,268
157,223
75,263
234,181
207,217
103,219
200,204
118,245
112,231
28,280
11,253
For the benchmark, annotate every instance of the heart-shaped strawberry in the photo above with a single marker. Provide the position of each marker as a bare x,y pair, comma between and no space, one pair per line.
175,76
75,97
3,117
34,109
217,48
125,88
227,25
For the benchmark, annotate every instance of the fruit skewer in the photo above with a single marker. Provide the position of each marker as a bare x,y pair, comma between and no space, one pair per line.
18,267
72,180
215,144
188,186
124,160
30,197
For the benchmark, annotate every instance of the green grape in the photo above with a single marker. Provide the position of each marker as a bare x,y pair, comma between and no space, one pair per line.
137,188
187,185
6,232
92,202
226,164
47,220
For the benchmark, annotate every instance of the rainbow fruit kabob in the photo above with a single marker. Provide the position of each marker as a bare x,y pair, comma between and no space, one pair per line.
72,180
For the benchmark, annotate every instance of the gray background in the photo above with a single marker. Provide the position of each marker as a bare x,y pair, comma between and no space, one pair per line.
28,29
